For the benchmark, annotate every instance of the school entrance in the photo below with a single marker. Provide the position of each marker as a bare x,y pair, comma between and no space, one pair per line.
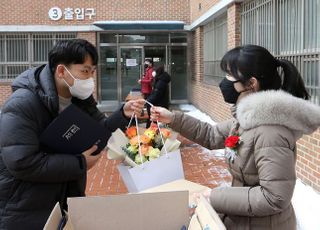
122,64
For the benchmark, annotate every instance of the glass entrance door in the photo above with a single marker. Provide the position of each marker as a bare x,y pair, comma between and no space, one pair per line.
131,69
108,72
178,70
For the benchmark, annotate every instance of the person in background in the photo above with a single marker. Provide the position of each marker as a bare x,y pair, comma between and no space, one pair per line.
33,180
147,79
270,114
160,92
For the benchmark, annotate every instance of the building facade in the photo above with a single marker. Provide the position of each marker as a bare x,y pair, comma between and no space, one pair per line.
188,36
124,32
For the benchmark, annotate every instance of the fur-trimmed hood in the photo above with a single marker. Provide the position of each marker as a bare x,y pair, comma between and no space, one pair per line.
276,107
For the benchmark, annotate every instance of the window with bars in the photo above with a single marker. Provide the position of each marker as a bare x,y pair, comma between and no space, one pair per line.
290,29
21,51
214,47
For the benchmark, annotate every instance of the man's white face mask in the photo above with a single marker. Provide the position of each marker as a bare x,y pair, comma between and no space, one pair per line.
81,89
154,73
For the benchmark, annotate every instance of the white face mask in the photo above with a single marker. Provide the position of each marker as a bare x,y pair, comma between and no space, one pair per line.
81,89
154,73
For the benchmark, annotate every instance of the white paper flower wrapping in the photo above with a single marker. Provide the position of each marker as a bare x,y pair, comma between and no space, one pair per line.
119,140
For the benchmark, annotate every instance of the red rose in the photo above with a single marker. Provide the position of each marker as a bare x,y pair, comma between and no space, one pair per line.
232,141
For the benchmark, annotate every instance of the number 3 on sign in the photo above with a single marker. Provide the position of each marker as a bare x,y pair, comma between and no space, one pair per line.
55,13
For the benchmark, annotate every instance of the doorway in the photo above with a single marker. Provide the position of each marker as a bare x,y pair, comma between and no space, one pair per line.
131,69
121,66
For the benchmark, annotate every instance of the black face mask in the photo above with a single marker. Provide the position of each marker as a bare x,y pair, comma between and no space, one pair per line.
146,65
228,91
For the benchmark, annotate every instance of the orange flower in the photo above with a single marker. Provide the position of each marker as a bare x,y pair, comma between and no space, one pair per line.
153,126
165,132
134,141
144,149
131,132
144,139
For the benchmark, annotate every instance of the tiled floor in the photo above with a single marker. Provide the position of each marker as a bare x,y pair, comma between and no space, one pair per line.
200,165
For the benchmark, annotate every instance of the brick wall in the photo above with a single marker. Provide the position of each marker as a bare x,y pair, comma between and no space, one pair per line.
199,7
17,12
5,91
308,160
234,25
205,96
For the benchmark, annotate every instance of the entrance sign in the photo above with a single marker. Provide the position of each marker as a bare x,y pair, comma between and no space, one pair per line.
78,13
55,13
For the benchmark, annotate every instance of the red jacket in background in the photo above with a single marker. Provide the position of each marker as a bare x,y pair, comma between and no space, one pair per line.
146,81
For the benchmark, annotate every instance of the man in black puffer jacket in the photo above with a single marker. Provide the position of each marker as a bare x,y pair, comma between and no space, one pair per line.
32,180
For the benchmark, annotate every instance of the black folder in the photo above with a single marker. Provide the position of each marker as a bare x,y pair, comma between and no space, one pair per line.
73,132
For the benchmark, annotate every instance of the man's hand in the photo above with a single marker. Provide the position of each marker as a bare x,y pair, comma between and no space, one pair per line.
92,160
133,106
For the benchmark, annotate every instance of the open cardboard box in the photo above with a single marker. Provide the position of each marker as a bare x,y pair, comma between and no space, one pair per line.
157,211
204,217
162,207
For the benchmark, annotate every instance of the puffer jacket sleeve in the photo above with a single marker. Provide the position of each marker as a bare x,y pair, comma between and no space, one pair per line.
116,120
111,123
19,141
205,134
274,155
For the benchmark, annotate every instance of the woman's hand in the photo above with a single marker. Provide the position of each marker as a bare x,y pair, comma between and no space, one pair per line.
92,159
161,114
133,106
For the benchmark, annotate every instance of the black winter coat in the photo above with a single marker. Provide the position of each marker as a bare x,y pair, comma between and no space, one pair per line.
31,180
160,93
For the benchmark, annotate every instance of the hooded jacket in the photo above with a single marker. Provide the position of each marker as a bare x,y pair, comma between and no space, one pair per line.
269,123
160,93
32,181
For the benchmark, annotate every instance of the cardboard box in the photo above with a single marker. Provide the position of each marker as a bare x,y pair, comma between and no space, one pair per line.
145,211
179,185
160,208
204,217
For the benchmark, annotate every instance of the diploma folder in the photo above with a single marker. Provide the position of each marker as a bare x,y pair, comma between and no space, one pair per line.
73,132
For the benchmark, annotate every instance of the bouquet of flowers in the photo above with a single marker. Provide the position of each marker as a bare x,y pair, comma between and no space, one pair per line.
138,145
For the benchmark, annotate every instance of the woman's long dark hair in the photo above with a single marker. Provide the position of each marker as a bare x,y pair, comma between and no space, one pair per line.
244,62
160,69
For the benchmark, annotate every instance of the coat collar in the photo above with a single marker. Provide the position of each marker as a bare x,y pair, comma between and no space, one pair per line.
276,107
40,81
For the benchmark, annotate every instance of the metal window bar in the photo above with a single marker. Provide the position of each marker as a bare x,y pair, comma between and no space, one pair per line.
290,29
215,46
21,51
